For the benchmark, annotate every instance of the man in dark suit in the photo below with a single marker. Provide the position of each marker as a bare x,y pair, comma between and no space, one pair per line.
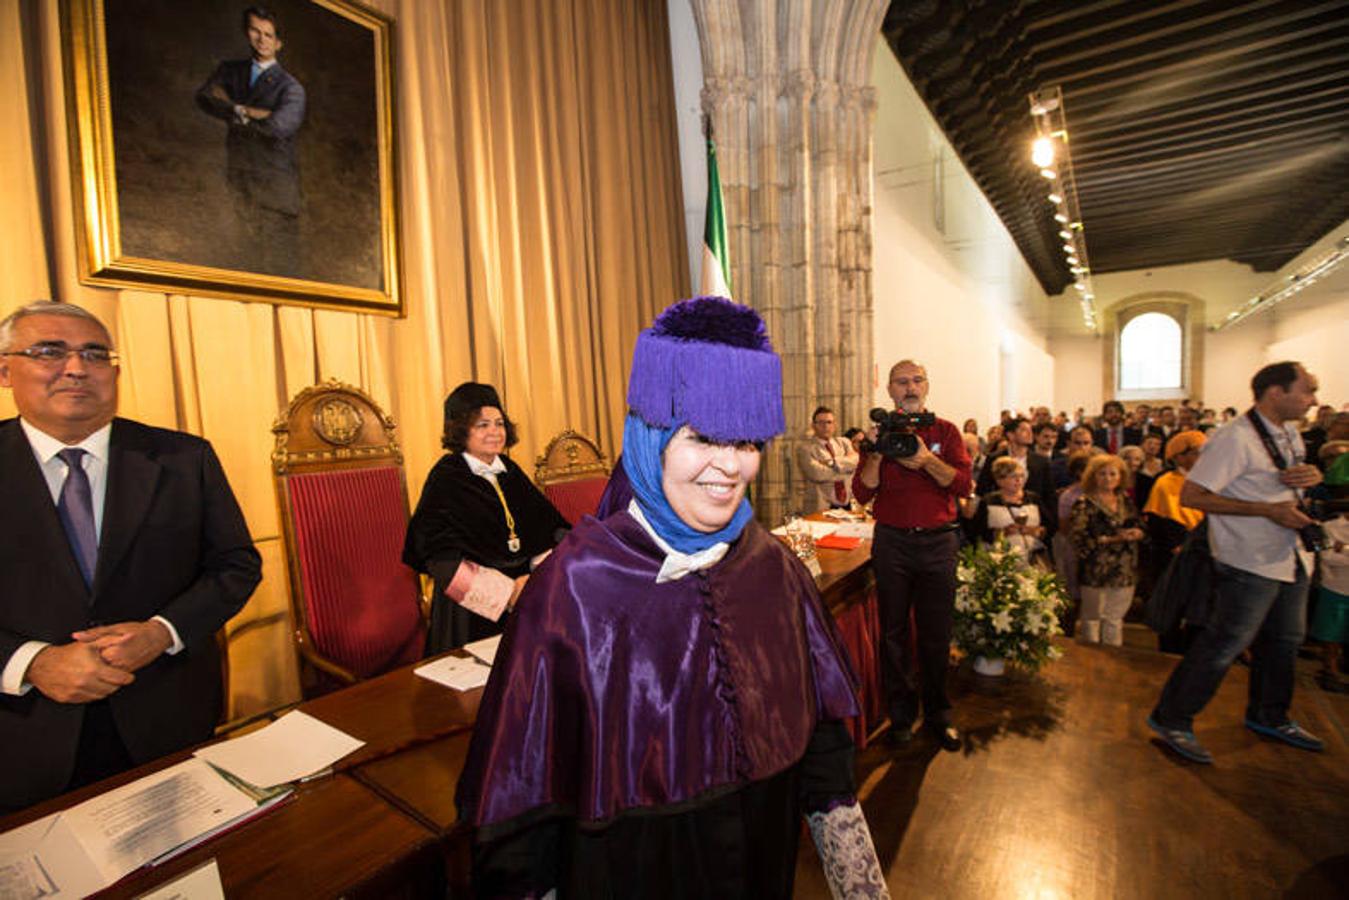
264,106
122,552
1113,433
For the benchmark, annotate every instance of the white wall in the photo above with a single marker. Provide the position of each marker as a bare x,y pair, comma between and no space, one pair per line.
1319,339
1077,372
1312,327
951,289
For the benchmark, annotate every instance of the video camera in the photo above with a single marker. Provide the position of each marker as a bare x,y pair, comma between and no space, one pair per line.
894,432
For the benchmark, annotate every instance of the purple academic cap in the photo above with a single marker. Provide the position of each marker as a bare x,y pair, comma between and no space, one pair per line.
707,363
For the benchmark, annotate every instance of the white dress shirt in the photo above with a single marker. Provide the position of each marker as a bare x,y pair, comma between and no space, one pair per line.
1235,464
54,470
489,471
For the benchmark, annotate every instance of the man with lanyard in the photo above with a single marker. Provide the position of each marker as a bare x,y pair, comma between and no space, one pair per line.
914,557
1249,481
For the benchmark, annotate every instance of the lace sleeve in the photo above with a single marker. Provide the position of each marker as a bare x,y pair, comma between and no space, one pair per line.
843,841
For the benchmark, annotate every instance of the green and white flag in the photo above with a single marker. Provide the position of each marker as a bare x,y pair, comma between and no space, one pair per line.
716,280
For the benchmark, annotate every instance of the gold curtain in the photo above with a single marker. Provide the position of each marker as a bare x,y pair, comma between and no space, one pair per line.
541,226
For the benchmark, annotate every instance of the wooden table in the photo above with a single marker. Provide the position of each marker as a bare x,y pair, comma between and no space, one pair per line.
335,837
384,824
338,836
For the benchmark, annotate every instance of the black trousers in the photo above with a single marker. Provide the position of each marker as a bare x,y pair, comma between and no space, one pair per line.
101,753
915,573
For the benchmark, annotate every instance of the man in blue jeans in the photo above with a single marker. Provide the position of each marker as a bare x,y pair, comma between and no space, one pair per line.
1261,566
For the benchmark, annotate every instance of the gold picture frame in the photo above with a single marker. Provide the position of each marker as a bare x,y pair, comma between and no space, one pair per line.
196,192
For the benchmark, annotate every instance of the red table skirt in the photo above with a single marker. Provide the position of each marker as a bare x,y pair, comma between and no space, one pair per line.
860,626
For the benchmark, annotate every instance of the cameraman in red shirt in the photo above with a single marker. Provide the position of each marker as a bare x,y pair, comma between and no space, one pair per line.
916,467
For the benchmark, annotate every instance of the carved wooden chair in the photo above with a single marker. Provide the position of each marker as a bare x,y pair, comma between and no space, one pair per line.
572,473
344,512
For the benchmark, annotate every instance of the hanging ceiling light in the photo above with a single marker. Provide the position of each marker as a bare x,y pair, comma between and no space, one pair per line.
1051,153
1042,152
1286,287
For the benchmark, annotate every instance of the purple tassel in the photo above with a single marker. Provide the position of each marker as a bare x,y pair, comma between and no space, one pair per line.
707,362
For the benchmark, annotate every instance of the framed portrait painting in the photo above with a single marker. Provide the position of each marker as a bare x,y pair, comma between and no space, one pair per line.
228,149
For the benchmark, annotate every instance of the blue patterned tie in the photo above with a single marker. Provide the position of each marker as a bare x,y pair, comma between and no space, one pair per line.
76,509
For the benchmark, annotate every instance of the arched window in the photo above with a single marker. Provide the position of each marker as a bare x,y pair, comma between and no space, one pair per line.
1151,351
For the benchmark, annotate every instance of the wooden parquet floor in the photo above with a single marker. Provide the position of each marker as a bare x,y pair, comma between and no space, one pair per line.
1063,792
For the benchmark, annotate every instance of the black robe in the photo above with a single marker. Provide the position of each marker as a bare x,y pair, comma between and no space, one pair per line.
459,517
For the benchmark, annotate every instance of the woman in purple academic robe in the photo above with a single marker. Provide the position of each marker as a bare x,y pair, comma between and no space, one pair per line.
667,702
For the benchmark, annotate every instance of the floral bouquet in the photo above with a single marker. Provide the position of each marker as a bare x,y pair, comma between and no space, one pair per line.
1006,608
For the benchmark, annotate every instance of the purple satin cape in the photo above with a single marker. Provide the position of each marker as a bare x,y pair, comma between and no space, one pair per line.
612,693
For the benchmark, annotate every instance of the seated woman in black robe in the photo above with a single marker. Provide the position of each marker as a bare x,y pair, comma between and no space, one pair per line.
480,519
667,703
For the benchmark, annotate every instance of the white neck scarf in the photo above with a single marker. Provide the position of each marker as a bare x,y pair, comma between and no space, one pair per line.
677,564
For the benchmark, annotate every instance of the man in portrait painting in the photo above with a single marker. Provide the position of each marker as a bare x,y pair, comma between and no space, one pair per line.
264,107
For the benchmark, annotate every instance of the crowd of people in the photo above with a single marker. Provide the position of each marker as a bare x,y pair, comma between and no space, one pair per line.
1109,502
633,630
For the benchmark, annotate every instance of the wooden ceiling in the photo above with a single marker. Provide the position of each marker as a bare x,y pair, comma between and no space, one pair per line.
1200,129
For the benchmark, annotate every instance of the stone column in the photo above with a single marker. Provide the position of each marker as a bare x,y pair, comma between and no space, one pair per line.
787,88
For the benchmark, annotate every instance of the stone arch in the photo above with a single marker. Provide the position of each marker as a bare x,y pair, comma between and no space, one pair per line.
1187,310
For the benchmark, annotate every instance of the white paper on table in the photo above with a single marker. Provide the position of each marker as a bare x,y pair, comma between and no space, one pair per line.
865,530
45,855
292,747
484,650
458,672
128,826
202,883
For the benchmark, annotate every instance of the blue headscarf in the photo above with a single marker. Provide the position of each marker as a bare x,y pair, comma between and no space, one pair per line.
643,446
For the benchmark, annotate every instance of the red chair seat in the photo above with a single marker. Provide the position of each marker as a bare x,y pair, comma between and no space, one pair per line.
360,601
577,498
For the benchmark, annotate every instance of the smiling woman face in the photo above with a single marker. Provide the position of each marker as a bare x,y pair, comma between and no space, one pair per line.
704,481
486,434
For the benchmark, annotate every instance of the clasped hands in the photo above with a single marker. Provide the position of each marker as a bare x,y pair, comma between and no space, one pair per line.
242,114
98,661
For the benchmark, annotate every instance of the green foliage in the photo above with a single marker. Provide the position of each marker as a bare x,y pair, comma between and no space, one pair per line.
1007,608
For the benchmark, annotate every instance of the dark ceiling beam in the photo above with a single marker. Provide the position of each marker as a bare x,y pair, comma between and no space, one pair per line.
1201,129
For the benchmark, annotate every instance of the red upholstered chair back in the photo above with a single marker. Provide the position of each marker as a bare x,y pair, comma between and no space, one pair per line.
572,473
344,512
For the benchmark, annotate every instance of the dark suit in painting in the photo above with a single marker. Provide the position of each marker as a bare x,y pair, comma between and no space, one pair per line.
173,543
261,165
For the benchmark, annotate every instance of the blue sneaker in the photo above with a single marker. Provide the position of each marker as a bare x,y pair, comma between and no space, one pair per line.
1183,743
1290,733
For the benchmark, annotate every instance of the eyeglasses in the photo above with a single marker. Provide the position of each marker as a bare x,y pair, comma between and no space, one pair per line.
56,354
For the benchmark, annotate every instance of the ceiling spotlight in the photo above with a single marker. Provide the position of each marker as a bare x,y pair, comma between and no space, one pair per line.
1044,102
1052,155
1042,152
